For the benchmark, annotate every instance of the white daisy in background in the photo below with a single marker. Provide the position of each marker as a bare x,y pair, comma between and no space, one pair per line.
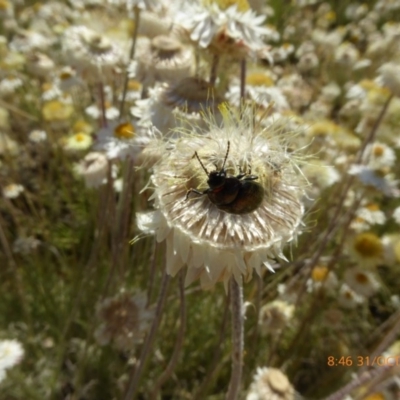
10,85
348,298
11,353
121,140
321,276
12,191
366,249
67,78
371,214
363,282
272,384
373,179
124,320
218,241
379,156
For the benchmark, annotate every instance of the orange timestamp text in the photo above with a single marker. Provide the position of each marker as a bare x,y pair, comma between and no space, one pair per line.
363,361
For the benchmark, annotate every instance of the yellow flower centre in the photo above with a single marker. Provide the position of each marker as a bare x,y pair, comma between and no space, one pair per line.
361,278
242,5
378,151
330,16
4,5
134,85
368,84
368,245
65,75
375,396
259,79
57,110
319,273
80,137
372,207
124,131
46,86
82,126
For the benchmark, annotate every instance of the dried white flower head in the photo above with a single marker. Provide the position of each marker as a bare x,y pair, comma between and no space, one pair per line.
124,320
246,217
275,316
271,384
91,53
164,58
93,168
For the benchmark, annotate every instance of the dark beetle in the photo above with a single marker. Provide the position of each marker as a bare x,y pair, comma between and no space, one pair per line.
233,194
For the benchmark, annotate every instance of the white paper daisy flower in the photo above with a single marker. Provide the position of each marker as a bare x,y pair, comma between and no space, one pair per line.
236,226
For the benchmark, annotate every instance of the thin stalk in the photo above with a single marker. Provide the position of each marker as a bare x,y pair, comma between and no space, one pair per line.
137,372
242,83
153,265
388,339
333,226
136,20
178,344
103,120
236,292
16,274
214,69
216,361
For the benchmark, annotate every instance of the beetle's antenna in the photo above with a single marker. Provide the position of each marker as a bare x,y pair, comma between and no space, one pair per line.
205,169
226,155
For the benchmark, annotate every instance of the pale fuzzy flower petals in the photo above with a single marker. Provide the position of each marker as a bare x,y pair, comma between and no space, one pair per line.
93,168
12,191
390,77
11,353
37,136
124,320
370,177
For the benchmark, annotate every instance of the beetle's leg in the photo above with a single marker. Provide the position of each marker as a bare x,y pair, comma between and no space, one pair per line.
195,191
251,177
241,173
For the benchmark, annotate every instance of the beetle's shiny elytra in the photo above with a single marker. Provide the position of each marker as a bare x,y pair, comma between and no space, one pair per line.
238,194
